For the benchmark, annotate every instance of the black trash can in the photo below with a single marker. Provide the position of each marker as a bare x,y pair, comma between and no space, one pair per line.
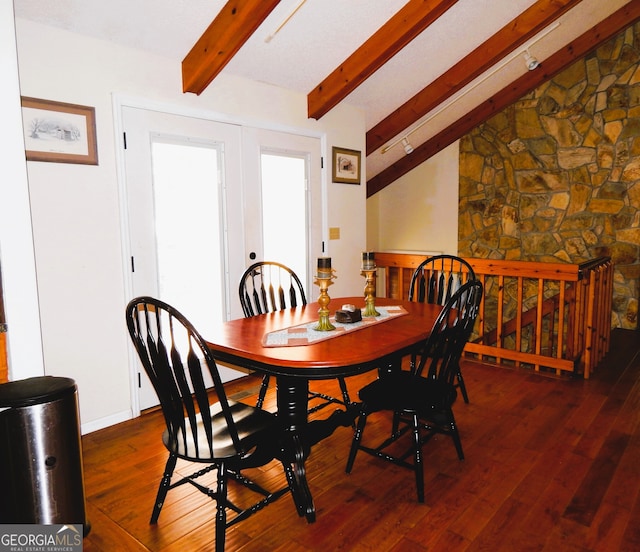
41,474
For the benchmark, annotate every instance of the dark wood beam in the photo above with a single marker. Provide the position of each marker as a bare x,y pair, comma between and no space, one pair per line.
578,48
394,35
231,28
505,41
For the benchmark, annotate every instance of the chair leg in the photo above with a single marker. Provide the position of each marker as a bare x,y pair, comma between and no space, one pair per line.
327,400
417,458
357,438
263,390
345,391
462,386
453,430
221,508
395,423
165,484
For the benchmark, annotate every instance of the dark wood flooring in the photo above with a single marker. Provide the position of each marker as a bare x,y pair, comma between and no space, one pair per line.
551,465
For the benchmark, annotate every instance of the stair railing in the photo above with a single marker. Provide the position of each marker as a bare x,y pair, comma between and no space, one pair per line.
551,317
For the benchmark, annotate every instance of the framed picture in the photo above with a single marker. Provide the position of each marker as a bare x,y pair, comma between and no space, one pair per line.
346,166
59,132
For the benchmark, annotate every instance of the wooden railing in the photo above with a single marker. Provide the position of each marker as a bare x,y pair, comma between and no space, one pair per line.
545,316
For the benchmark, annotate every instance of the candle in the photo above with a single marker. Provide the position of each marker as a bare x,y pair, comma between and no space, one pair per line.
324,267
368,260
324,262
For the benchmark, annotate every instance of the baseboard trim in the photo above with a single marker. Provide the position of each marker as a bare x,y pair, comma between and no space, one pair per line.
106,422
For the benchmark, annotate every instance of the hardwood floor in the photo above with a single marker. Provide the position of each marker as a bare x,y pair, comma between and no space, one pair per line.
550,465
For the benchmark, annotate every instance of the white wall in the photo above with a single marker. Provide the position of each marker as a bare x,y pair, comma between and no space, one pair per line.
418,212
16,241
75,208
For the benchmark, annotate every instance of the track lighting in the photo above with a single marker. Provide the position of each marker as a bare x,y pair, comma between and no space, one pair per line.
530,61
284,22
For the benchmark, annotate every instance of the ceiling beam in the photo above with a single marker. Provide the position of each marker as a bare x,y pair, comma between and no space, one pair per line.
394,35
576,49
505,41
231,28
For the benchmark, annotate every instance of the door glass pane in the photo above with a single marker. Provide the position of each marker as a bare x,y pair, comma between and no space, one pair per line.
187,216
284,211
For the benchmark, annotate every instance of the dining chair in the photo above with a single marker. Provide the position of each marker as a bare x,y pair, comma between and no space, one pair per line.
269,286
434,281
421,399
225,435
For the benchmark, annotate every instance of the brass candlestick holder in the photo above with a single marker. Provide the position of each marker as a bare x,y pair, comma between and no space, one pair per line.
369,292
323,282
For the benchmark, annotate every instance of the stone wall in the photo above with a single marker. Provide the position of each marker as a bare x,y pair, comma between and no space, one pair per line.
556,176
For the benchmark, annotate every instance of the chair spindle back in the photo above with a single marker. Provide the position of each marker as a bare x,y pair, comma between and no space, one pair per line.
437,278
450,333
268,287
173,353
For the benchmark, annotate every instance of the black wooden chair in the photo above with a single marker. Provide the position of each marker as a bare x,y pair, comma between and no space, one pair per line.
269,286
421,399
434,281
226,436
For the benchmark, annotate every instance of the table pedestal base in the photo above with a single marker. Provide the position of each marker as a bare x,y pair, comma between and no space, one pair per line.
293,402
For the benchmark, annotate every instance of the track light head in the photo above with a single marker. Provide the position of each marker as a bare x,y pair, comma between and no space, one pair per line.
530,61
408,148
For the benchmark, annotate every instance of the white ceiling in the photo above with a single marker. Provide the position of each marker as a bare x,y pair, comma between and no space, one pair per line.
321,35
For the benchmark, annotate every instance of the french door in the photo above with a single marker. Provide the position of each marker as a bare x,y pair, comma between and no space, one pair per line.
283,200
204,200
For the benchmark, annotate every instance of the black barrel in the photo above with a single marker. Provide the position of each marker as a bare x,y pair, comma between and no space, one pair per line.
41,474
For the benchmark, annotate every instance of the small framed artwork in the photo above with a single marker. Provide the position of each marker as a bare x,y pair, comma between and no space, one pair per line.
59,132
346,166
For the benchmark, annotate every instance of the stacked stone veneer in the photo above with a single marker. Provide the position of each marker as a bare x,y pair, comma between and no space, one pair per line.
556,176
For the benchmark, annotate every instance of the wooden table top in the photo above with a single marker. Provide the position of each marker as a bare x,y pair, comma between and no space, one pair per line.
240,341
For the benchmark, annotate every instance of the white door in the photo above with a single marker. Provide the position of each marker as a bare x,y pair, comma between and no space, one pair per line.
283,200
183,187
194,226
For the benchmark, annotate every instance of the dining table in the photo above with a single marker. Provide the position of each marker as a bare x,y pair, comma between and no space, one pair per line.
284,344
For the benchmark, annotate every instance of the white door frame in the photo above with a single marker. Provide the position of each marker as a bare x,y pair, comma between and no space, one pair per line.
119,101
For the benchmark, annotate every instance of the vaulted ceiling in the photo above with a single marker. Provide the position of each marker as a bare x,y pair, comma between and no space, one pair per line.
425,72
